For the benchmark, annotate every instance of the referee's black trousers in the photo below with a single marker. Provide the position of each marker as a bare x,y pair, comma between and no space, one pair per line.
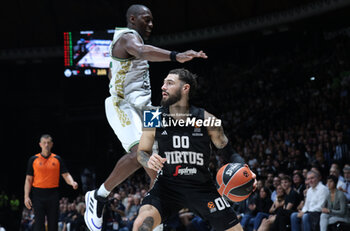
45,203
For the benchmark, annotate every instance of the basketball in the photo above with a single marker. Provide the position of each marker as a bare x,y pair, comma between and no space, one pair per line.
235,181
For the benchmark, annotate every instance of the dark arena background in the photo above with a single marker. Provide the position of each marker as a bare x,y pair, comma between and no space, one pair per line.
278,75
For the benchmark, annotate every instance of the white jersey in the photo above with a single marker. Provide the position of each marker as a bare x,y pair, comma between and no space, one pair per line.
130,77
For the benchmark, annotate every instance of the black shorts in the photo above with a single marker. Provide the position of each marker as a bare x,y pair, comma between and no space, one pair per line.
203,201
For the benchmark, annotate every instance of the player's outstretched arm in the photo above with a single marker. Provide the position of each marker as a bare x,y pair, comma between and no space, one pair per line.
134,47
154,161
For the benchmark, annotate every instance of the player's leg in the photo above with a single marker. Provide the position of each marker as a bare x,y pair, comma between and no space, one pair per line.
148,218
126,166
126,122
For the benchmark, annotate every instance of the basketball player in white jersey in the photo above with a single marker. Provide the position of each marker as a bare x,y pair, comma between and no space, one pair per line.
130,95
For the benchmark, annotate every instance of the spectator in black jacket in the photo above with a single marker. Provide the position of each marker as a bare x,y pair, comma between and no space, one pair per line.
291,201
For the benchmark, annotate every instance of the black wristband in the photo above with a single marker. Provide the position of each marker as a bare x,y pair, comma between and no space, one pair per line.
229,154
173,56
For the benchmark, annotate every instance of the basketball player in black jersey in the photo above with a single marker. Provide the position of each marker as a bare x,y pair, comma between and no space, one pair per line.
182,163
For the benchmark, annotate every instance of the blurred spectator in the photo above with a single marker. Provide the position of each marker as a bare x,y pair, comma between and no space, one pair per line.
346,189
277,204
88,178
276,182
4,200
291,201
334,208
114,213
260,209
309,216
298,183
27,219
4,206
334,170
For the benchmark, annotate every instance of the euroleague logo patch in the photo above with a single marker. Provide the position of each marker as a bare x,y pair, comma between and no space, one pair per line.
218,204
211,205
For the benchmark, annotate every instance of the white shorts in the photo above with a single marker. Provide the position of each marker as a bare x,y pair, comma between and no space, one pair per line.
126,121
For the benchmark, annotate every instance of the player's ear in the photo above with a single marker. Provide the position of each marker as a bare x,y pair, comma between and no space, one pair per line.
186,87
132,19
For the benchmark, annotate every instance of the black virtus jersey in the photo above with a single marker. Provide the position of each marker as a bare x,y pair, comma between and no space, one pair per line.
186,147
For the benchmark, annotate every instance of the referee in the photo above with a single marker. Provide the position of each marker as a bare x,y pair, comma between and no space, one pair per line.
42,180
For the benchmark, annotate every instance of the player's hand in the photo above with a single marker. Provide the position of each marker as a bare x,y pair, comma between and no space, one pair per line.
28,202
75,185
325,210
156,162
254,177
189,55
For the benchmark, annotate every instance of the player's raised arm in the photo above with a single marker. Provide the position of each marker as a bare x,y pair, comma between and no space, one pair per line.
134,47
144,153
221,142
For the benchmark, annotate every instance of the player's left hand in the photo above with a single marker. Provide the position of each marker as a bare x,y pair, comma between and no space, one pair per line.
75,185
189,55
156,162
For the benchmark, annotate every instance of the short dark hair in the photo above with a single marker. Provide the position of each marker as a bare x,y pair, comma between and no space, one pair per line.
45,136
267,191
333,178
300,175
287,178
187,77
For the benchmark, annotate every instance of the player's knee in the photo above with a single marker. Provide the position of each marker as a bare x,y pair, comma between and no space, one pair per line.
137,223
144,223
132,156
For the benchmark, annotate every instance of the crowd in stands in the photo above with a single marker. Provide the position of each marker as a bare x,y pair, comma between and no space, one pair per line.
288,116
9,210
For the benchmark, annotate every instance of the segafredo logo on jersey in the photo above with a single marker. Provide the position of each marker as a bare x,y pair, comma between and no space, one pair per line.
184,171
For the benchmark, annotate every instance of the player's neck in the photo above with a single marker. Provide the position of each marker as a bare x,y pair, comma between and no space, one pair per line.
179,110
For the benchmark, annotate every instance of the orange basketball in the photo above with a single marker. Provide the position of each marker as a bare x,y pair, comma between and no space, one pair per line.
235,181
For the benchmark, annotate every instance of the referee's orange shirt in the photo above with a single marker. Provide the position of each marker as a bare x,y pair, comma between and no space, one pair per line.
46,171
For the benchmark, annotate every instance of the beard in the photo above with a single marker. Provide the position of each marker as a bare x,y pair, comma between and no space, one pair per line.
171,99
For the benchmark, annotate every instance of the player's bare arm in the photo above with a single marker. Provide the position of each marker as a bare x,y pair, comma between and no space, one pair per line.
216,133
129,46
220,141
144,156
